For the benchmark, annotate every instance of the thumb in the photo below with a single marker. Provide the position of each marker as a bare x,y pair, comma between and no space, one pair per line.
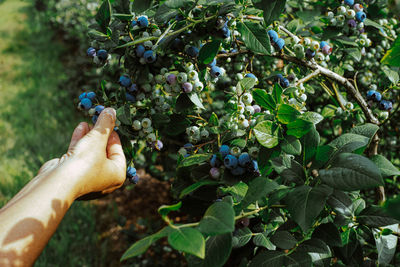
103,128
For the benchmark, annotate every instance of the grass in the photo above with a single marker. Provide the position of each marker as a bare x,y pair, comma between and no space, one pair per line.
37,118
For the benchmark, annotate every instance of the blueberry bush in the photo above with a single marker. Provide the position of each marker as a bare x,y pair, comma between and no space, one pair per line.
275,121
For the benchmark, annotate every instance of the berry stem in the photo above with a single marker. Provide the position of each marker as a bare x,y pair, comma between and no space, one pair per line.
308,77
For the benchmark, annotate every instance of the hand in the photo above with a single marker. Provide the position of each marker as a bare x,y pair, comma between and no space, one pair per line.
95,159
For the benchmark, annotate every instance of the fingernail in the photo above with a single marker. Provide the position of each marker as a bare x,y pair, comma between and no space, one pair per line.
111,112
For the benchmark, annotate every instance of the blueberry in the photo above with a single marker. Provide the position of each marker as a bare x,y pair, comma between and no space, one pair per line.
254,166
213,63
327,50
86,103
150,56
82,96
158,145
143,22
230,161
133,88
98,109
279,44
134,179
140,50
214,173
192,51
374,95
224,150
130,97
177,44
125,81
187,87
352,23
361,16
226,32
257,108
244,159
349,2
215,71
215,162
238,171
273,35
189,147
130,171
284,83
94,119
322,44
250,75
91,52
102,54
385,105
91,95
134,23
171,79
310,54
279,77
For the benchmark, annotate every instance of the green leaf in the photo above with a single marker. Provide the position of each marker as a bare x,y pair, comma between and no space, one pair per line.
268,259
241,237
196,186
98,36
386,245
188,240
291,145
255,37
103,15
159,119
310,143
341,203
328,233
344,140
392,57
318,250
312,117
287,113
218,219
277,93
165,209
139,6
368,22
238,191
354,53
239,143
195,100
392,207
272,9
258,188
367,130
351,172
265,100
266,133
194,160
247,83
177,3
262,240
209,51
124,114
385,166
213,121
123,17
391,74
329,111
299,127
164,14
375,216
142,245
283,240
305,203
218,249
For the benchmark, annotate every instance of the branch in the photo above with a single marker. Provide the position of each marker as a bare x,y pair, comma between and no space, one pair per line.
308,77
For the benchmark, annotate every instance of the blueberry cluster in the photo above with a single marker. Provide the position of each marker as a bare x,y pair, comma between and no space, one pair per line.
313,49
215,71
140,22
222,27
100,56
131,174
277,42
375,96
86,103
234,160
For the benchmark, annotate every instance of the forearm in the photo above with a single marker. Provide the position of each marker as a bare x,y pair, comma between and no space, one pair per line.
30,219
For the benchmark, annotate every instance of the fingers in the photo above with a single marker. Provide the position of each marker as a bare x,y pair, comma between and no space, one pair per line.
116,157
80,131
49,165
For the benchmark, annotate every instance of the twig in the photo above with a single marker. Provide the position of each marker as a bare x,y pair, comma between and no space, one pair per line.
308,77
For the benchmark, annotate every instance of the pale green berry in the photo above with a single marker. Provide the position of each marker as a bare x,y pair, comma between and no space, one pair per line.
163,71
182,77
146,123
253,151
235,151
247,98
189,66
350,13
249,110
341,10
151,137
193,75
149,129
204,133
349,105
137,125
198,86
92,111
182,151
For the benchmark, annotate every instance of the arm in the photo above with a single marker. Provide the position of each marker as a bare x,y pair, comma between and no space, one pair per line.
94,163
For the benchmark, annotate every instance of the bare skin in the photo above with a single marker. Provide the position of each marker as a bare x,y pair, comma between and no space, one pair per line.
94,162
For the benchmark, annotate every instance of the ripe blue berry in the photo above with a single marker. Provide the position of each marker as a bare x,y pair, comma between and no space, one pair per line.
284,83
279,78
82,96
224,150
140,50
279,44
254,166
322,44
385,105
134,23
130,97
102,54
171,79
130,171
213,63
143,22
86,103
215,162
189,147
98,109
192,51
244,159
310,54
91,52
225,32
374,95
352,23
150,56
349,2
177,44
134,179
187,87
230,161
133,88
125,81
238,171
91,95
361,16
250,75
94,119
215,71
273,35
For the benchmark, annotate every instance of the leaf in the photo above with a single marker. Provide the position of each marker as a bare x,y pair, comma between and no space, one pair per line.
238,191
283,240
341,203
195,100
352,172
123,17
299,127
218,219
386,245
392,207
348,138
177,3
305,203
391,74
392,57
310,143
103,15
258,188
239,143
213,121
165,209
368,22
194,160
268,259
188,240
218,249
242,237
266,133
247,83
196,186
164,14
354,53
375,216
329,111
312,117
124,114
140,6
328,233
142,245
277,93
272,9
291,145
367,130
287,113
209,51
318,250
98,36
262,240
265,100
255,37
385,166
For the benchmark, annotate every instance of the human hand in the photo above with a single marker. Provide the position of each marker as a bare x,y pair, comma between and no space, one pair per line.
95,159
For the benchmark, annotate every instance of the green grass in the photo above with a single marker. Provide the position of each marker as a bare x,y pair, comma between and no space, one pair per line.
37,118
